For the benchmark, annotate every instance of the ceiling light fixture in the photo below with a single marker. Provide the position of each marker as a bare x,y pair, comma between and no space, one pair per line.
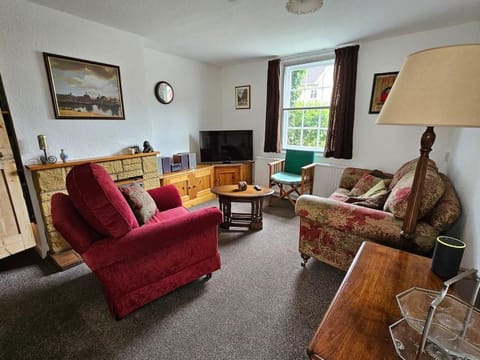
300,7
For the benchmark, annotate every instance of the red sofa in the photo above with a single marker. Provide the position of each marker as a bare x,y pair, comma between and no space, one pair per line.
134,263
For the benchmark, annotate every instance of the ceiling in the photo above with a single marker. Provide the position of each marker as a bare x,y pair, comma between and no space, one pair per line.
231,31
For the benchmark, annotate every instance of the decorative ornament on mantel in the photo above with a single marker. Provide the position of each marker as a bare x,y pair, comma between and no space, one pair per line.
300,7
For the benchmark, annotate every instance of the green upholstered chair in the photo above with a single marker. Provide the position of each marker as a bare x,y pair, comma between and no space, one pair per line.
292,175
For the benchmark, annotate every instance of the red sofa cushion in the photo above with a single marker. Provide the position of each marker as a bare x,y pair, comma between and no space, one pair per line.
99,201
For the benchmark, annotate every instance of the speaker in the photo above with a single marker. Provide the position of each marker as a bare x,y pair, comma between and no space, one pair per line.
447,256
189,158
165,164
182,159
192,160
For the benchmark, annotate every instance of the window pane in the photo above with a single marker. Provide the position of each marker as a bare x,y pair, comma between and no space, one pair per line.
324,114
296,99
311,118
295,118
297,78
310,138
323,139
294,137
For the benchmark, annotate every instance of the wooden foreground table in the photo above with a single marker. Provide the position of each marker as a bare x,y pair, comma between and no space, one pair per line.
356,325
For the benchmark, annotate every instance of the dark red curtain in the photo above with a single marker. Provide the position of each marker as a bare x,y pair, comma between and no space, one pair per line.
342,108
272,143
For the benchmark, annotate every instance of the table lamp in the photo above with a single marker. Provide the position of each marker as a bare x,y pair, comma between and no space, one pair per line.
435,87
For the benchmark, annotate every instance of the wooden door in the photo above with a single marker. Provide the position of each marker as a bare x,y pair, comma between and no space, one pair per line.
15,229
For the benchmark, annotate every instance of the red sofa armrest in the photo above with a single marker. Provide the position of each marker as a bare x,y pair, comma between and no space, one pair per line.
149,238
166,197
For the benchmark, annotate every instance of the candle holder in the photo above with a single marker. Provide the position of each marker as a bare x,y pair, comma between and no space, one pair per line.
45,158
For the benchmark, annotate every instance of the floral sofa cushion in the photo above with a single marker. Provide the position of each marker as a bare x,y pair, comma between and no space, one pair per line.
373,198
364,184
433,190
447,209
407,167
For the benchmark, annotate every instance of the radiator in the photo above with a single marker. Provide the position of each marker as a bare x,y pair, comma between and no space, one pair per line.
326,179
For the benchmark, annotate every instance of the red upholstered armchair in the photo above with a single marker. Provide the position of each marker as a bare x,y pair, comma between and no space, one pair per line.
134,263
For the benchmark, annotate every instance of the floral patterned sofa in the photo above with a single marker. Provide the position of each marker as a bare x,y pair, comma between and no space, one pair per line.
370,206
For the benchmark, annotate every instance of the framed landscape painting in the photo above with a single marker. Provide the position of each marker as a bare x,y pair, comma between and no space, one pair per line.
382,83
83,89
242,97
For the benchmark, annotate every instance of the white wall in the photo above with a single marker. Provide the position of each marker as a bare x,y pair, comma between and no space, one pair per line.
255,75
370,147
464,170
195,105
387,147
28,30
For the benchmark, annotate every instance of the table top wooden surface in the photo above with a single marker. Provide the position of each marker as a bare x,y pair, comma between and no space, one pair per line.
356,325
232,191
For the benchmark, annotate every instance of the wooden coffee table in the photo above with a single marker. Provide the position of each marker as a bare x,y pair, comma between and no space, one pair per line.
227,194
356,325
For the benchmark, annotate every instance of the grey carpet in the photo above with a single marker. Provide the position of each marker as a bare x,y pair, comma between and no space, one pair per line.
261,305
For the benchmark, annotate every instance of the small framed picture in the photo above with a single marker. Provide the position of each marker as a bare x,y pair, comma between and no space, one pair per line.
242,97
382,83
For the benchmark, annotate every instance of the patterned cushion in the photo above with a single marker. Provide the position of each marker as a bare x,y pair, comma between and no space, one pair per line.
98,200
447,210
373,198
142,204
350,177
433,190
406,168
340,195
365,183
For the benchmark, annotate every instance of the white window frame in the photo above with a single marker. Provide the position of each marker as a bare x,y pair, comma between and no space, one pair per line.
327,56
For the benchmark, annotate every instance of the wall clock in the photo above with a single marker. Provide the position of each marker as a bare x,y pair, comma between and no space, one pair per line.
164,92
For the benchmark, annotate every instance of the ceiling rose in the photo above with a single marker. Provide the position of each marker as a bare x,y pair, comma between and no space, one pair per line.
303,6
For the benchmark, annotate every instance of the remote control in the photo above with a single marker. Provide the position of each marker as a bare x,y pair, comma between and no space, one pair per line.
257,187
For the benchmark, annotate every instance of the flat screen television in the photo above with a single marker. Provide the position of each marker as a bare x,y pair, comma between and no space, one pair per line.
226,146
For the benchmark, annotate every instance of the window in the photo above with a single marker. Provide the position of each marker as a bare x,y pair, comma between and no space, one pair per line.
307,91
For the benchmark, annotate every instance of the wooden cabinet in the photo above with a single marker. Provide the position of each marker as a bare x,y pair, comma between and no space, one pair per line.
230,174
194,185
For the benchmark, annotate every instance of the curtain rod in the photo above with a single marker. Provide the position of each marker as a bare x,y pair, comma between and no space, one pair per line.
314,53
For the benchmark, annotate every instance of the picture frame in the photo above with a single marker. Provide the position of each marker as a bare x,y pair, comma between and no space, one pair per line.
84,89
242,97
382,83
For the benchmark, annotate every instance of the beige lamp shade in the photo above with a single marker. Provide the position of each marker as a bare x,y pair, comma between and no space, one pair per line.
436,87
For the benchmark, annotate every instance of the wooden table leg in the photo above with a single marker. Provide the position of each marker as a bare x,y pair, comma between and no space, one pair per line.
257,214
226,208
